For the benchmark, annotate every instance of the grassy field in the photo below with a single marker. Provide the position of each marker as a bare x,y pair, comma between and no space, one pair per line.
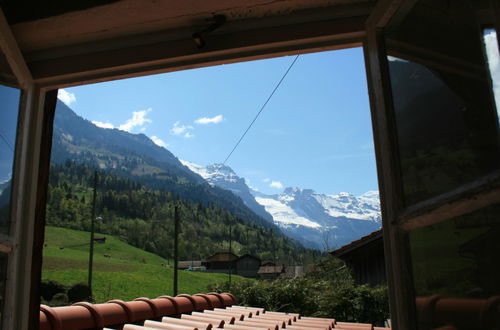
121,271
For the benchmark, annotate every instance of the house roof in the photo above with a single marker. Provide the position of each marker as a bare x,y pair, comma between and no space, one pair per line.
189,263
357,243
222,257
245,256
199,311
271,270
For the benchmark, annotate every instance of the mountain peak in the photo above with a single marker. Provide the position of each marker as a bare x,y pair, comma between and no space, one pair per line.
371,194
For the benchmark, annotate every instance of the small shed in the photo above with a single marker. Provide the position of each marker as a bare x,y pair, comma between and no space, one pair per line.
100,240
248,265
270,272
365,257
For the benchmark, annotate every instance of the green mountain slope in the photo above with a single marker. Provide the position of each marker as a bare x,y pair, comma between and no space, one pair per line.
136,157
121,271
144,217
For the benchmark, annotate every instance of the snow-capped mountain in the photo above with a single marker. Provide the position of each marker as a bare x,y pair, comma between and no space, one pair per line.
328,221
317,220
225,178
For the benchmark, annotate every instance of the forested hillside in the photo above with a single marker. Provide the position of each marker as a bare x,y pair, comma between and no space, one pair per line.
136,157
144,217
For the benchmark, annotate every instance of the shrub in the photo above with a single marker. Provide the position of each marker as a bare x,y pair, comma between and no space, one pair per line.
327,291
49,289
79,292
59,299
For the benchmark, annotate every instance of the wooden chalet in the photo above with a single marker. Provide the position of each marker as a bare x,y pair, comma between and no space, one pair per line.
365,258
248,265
221,262
270,272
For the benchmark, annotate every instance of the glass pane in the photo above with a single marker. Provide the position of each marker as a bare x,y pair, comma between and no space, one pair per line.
458,258
9,103
3,278
493,58
446,120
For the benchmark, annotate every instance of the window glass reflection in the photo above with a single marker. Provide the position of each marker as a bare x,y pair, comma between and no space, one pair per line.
446,135
445,115
459,260
9,103
458,257
493,57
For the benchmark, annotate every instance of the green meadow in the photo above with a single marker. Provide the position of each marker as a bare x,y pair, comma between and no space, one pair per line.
120,271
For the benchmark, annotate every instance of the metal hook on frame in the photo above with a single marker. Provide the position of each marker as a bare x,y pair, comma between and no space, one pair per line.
199,37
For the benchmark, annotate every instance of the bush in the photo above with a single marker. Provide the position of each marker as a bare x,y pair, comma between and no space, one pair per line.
327,291
59,299
79,292
49,289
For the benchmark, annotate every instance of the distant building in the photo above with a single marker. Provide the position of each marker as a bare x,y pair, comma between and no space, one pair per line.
221,262
365,257
293,271
248,265
268,263
188,264
270,272
101,240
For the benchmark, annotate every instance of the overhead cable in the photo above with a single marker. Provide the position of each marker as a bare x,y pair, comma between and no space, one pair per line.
262,108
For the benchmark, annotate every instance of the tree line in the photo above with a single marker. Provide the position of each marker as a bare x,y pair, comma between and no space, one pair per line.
144,218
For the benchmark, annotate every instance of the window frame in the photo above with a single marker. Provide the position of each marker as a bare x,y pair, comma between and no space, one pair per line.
399,220
32,158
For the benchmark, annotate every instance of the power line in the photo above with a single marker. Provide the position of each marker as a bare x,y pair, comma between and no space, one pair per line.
262,108
6,142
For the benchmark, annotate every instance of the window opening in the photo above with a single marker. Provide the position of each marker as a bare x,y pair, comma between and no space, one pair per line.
273,209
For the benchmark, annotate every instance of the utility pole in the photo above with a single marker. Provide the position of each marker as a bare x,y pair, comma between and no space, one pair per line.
230,261
92,228
274,250
176,247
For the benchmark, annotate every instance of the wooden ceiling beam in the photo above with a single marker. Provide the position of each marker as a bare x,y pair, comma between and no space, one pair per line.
389,12
122,58
14,57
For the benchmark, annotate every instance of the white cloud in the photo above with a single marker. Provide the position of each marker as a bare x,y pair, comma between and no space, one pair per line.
276,184
206,120
179,129
66,96
159,142
138,119
266,180
102,125
490,40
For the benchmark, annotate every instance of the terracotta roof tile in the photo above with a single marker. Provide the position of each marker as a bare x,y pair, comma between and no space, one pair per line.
181,313
213,301
167,321
255,310
226,318
199,303
182,304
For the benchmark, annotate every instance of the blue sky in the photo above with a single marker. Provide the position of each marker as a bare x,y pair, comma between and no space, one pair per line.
314,133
